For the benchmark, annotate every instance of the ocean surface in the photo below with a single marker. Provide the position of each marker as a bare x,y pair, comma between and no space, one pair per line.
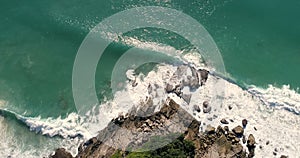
258,40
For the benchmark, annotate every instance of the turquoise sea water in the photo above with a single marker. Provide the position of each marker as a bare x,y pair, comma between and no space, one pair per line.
259,42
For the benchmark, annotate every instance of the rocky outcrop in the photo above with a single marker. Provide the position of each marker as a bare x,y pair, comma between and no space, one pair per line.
186,76
216,143
132,132
135,130
61,153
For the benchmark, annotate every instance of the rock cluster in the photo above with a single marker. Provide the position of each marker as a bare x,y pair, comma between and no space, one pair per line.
131,131
181,78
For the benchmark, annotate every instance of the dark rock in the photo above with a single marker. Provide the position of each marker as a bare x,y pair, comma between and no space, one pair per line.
283,156
207,110
90,141
238,130
226,128
244,123
206,107
236,140
169,88
231,135
61,153
177,91
220,131
210,129
244,139
268,142
251,145
229,107
204,75
197,108
251,154
150,89
224,121
205,104
255,128
251,141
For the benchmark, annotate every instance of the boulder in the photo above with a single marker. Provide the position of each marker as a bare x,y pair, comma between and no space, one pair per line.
224,121
205,104
244,139
197,108
206,107
207,110
204,75
169,88
61,153
251,141
226,128
244,123
238,130
210,129
251,145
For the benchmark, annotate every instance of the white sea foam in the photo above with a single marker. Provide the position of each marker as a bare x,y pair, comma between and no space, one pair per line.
279,98
277,125
17,143
272,111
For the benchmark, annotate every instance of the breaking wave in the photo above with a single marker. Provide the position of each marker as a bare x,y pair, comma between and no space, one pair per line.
272,111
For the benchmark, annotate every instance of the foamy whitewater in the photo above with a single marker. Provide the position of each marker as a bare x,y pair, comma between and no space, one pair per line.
274,112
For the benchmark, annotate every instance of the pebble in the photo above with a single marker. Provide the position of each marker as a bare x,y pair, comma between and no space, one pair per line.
207,110
226,128
205,104
197,108
224,121
244,123
244,139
